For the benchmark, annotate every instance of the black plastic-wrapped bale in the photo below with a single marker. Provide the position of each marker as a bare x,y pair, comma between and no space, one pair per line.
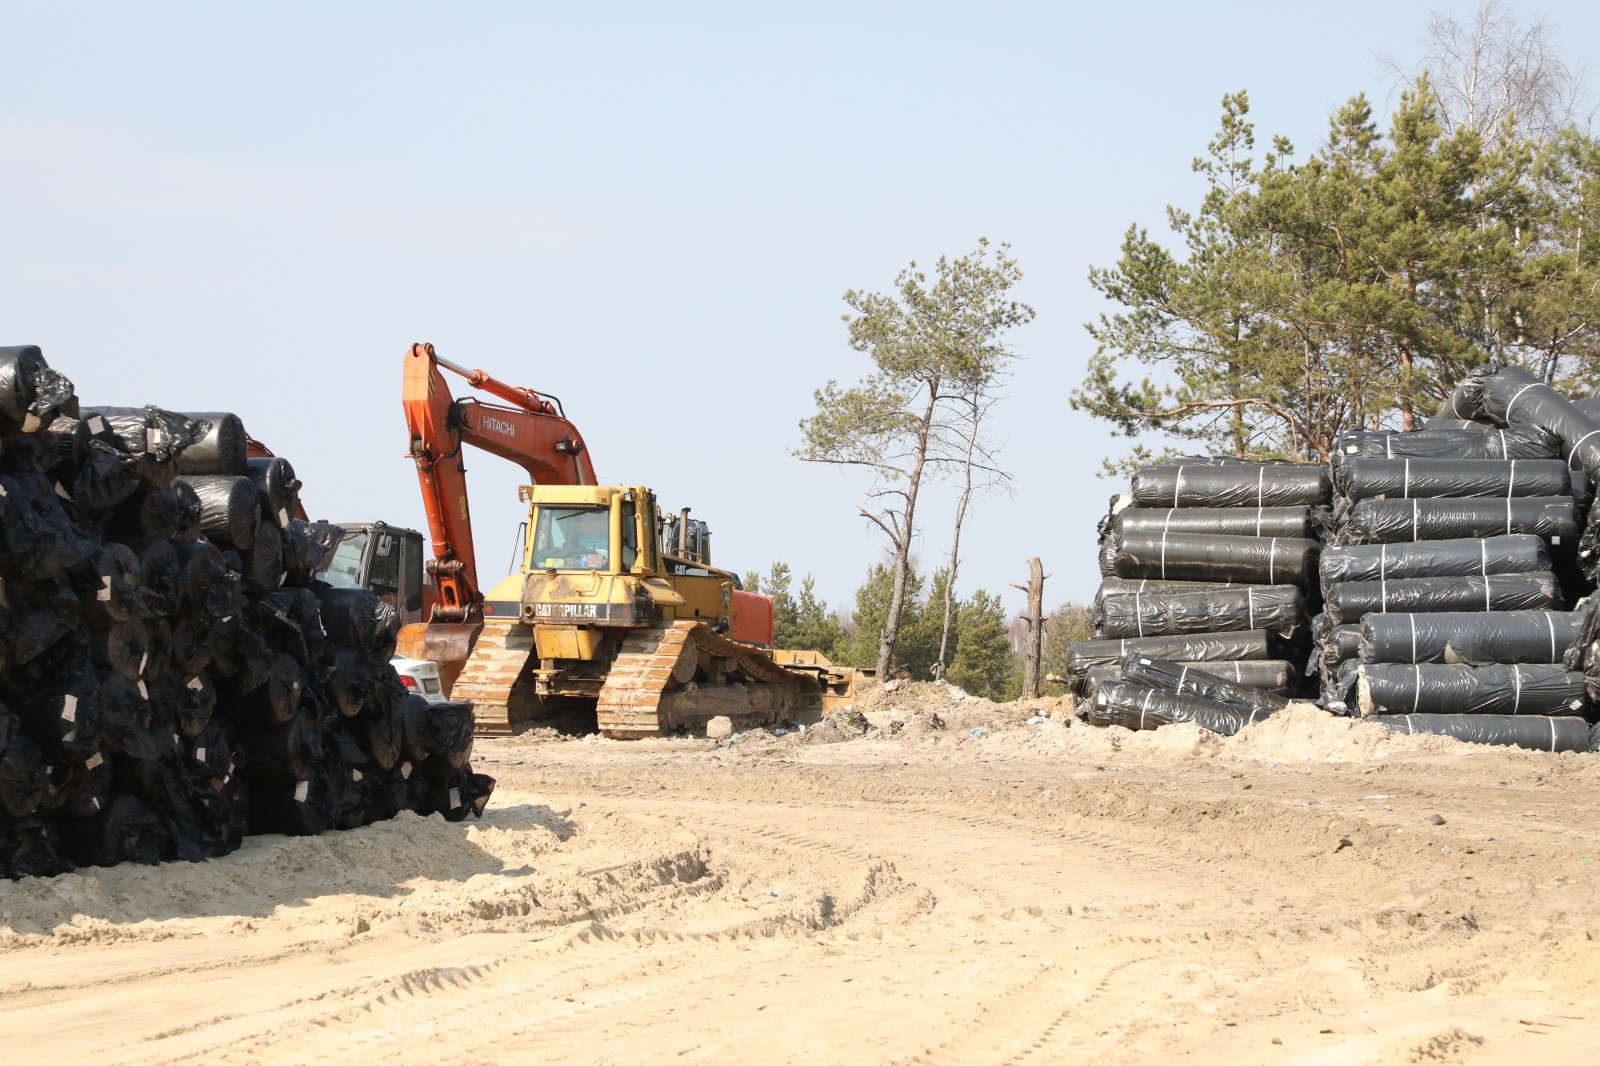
1222,521
63,716
1352,601
1554,519
32,394
1234,485
224,448
455,796
1528,442
1434,688
1514,397
1195,681
152,437
113,594
95,473
24,776
1369,479
124,647
1532,731
263,563
277,487
38,538
1518,553
287,753
1198,647
126,830
189,702
303,808
209,586
80,788
272,702
229,509
172,513
1278,609
1122,586
356,618
1135,706
1269,675
159,576
1475,638
438,736
1334,643
302,555
128,724
1217,559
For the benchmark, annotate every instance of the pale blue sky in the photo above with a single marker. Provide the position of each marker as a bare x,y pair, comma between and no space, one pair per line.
649,210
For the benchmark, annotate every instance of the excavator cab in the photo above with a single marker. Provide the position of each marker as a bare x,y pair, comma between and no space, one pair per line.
375,555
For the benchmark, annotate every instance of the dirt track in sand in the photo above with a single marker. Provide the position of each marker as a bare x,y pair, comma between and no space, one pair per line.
1035,893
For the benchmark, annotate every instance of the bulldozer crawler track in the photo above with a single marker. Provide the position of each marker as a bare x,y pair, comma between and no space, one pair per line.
635,700
491,672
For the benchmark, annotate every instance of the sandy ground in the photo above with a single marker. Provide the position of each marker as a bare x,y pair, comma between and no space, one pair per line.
1037,892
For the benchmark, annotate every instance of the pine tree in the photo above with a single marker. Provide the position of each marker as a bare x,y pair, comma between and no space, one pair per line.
984,659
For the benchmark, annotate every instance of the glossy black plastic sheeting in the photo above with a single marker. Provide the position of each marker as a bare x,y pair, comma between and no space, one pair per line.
1531,731
1351,601
1518,553
1278,609
1196,681
1552,518
1197,647
1135,706
1217,559
1474,638
1234,485
1432,688
1370,479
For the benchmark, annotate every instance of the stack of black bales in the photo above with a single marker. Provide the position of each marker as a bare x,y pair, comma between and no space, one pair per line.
1207,565
1444,600
173,675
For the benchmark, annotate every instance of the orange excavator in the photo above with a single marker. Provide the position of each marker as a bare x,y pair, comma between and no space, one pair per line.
615,613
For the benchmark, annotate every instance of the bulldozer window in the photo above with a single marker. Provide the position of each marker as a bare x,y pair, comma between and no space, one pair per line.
630,534
572,538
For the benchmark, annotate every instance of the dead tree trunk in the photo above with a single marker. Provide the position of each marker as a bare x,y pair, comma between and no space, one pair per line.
1033,649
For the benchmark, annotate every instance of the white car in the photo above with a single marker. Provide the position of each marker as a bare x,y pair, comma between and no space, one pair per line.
421,677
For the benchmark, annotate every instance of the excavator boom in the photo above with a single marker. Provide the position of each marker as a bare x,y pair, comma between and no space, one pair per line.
530,429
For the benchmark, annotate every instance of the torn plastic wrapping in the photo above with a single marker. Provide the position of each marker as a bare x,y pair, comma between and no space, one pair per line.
1334,644
222,449
1554,519
1196,681
229,509
1433,688
1351,601
152,437
1218,559
1278,609
1472,638
1232,485
1527,442
1224,521
302,555
1269,675
1135,706
31,394
1198,647
95,473
1518,553
1368,479
1532,731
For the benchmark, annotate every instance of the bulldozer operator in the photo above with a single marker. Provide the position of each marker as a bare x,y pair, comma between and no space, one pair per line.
577,539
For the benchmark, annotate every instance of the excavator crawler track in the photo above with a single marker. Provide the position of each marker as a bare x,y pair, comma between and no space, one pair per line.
677,677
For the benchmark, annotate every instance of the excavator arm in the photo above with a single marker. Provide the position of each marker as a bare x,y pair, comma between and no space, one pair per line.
529,428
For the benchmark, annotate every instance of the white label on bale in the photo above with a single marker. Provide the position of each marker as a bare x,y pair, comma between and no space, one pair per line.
144,660
176,740
144,693
96,424
3,491
283,516
71,735
153,438
200,755
301,791
62,492
405,771
31,422
95,802
455,798
92,761
103,593
194,683
1555,540
69,708
355,775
